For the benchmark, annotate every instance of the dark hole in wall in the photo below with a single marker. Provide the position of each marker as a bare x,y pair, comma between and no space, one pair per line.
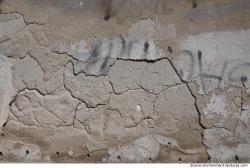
236,157
106,17
1,153
107,7
179,159
57,153
27,152
119,157
199,55
243,78
170,49
88,155
4,124
0,6
208,158
146,47
194,4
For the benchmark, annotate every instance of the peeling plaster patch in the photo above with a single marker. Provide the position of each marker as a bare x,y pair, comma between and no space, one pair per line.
216,136
21,151
40,35
93,120
94,146
127,102
226,154
220,108
6,89
214,139
10,25
48,61
40,73
139,150
28,73
126,75
224,146
217,105
115,125
91,90
143,149
20,45
33,109
221,154
180,118
245,116
158,77
227,127
242,129
243,151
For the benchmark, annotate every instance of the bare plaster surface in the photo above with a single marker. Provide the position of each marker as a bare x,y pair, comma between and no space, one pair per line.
159,81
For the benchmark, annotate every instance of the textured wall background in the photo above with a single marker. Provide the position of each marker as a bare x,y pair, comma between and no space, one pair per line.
160,81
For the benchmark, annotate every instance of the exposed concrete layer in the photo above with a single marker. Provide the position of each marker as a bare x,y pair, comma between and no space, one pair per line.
159,81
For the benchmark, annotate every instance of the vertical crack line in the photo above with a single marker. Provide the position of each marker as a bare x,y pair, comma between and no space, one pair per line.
75,114
195,103
190,90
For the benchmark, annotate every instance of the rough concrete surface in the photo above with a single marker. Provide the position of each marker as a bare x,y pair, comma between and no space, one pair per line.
140,81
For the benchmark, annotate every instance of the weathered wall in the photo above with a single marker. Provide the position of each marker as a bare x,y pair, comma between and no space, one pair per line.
160,81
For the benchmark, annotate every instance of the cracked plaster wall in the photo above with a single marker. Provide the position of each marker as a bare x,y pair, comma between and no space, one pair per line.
160,81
